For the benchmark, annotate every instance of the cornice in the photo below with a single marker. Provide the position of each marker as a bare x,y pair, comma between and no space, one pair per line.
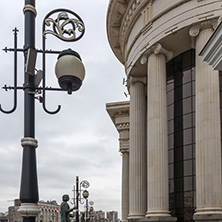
118,112
149,25
129,20
125,22
113,23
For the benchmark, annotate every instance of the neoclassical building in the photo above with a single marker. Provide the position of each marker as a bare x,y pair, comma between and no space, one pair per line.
49,212
170,130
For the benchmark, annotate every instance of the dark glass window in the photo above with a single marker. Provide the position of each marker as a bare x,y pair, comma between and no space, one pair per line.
188,168
181,110
187,105
188,183
187,121
187,136
188,152
171,171
187,76
170,126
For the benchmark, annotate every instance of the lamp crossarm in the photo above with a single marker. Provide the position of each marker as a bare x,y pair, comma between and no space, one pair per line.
6,88
15,87
60,27
15,76
47,51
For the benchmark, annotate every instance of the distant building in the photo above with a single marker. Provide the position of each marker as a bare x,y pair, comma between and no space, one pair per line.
49,212
112,216
99,216
3,217
13,215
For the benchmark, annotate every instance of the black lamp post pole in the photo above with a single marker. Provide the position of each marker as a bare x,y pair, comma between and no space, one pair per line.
29,185
77,199
68,81
87,205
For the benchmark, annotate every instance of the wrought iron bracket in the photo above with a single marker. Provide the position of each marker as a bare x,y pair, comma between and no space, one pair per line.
60,25
59,29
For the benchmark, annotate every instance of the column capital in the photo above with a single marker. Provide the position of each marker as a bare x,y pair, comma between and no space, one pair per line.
198,27
159,49
156,49
134,79
123,129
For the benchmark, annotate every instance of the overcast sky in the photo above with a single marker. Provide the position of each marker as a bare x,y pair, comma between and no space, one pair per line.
81,139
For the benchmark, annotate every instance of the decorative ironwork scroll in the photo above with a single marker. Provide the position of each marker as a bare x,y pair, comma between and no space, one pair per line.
61,23
85,184
64,27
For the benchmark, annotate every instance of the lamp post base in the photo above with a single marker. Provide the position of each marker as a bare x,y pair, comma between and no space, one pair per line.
29,210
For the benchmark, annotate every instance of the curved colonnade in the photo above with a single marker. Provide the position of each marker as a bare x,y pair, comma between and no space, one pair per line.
144,35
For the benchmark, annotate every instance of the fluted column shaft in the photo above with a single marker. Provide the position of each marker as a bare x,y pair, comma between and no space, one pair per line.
124,149
157,142
137,167
207,129
125,185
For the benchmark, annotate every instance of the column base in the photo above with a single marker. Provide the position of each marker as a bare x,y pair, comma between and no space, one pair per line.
158,213
160,219
208,217
135,217
208,214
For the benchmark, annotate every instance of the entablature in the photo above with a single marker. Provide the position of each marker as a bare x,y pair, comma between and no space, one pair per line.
147,22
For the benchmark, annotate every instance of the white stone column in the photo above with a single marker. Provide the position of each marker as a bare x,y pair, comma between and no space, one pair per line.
125,185
157,136
119,113
123,130
207,129
137,165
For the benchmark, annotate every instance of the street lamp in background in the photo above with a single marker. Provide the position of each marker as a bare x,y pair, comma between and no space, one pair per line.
85,195
67,26
78,191
91,214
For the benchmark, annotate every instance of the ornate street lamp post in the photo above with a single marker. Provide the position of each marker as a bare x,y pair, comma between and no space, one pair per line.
70,73
85,195
78,190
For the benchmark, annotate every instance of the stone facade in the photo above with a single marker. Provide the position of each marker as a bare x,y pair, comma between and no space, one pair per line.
49,212
174,97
